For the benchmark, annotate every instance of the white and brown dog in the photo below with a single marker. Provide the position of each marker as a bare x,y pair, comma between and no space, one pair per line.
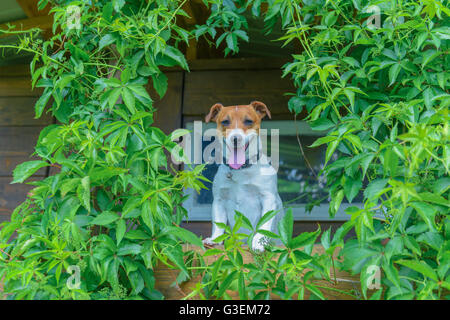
243,183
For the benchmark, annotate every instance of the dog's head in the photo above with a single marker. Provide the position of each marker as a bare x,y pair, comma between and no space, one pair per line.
238,125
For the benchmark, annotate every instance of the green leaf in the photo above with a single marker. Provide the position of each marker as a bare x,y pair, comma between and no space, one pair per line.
231,40
178,133
245,221
433,239
129,99
226,283
241,286
41,103
25,170
129,249
427,212
130,205
412,245
177,55
106,40
314,290
140,91
330,150
268,233
285,227
107,11
241,34
212,252
105,218
321,124
84,193
147,216
120,230
419,266
393,73
175,254
352,188
137,235
295,104
323,140
304,239
160,84
441,185
184,235
266,217
137,282
434,198
336,202
325,239
350,96
374,188
113,95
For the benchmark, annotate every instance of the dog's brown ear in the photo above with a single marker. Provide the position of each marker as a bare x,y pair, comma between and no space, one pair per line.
261,109
213,112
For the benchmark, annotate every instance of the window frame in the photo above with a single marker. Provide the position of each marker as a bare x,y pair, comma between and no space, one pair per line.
202,212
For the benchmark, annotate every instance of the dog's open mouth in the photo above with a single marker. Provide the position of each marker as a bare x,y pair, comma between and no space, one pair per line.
237,156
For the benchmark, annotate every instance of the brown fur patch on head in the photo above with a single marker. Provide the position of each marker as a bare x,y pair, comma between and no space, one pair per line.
245,117
213,112
261,109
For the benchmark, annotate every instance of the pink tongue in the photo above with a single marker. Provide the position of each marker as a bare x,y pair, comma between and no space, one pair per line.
237,158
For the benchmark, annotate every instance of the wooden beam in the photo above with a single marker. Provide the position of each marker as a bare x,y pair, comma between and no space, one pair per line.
18,87
22,70
30,7
188,23
41,22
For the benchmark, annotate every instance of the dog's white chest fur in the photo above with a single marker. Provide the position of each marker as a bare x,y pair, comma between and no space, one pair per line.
251,191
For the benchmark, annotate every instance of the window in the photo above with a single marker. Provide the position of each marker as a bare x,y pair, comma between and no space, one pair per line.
297,185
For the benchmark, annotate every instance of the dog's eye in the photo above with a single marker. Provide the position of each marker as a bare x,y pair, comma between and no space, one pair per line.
225,123
248,122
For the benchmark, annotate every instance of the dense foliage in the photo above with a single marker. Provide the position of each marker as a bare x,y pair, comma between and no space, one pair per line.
113,205
379,85
382,92
293,270
374,74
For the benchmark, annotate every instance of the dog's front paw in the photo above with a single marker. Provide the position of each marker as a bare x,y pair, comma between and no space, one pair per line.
210,241
259,242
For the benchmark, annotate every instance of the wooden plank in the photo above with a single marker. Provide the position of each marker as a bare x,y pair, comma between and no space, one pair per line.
204,89
41,22
168,114
194,65
11,195
22,70
203,228
19,111
166,278
16,146
237,64
18,87
30,7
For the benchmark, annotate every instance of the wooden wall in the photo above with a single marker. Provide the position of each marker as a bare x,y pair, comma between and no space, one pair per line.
228,81
189,97
18,133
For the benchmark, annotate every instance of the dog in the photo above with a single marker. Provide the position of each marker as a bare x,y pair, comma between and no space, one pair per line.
244,184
